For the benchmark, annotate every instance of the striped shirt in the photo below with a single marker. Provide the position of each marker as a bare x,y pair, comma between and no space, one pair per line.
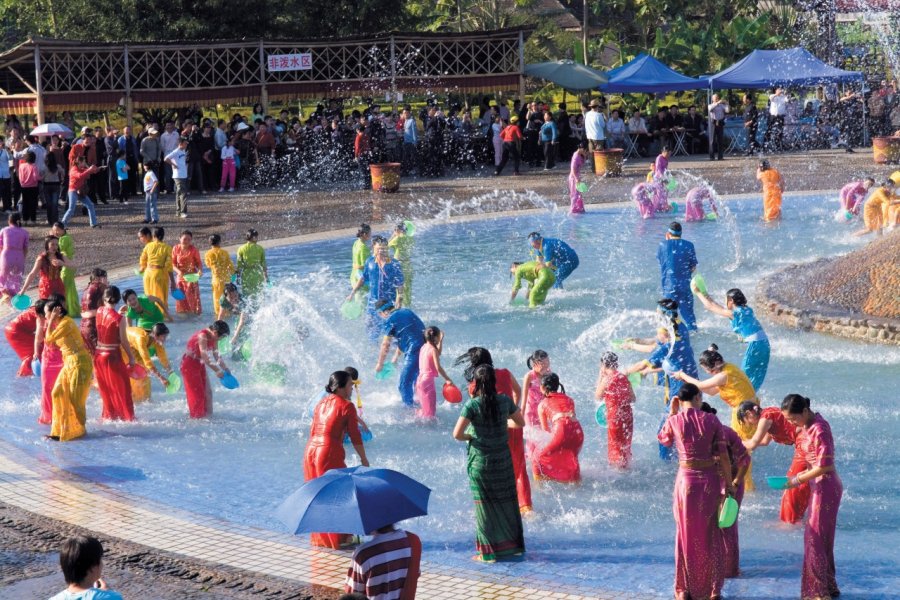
379,567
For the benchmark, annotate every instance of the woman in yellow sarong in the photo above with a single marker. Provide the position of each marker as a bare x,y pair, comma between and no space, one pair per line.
156,267
877,209
221,267
733,387
74,380
145,345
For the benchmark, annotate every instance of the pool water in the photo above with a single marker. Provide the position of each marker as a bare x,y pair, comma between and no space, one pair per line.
614,531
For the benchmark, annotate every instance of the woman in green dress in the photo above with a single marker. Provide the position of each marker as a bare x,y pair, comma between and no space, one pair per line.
360,254
498,523
402,244
251,266
67,247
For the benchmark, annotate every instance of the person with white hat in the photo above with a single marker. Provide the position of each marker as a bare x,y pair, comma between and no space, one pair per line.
168,142
151,150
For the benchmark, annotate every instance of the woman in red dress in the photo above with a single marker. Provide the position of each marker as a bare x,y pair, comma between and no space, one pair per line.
109,368
48,266
771,426
558,459
20,335
202,351
614,390
186,260
91,301
333,417
506,384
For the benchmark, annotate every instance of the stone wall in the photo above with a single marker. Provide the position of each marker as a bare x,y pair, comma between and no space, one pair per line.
786,299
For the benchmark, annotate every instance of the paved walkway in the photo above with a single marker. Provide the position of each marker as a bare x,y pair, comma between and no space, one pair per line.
40,488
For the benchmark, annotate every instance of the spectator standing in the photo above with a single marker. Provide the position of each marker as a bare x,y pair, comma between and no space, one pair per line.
177,161
363,156
29,178
774,137
549,140
512,143
564,128
751,124
132,153
151,151
5,177
718,108
122,174
410,141
151,195
594,126
168,142
54,175
195,158
220,138
100,180
531,151
111,146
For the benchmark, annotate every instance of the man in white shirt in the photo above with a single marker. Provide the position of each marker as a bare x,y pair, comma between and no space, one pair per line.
594,126
177,161
168,141
718,108
775,128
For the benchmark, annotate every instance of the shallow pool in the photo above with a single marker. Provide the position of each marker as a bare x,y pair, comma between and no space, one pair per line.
613,532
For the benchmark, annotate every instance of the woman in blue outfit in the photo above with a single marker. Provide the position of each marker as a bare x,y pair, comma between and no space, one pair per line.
385,280
407,329
555,254
667,355
745,324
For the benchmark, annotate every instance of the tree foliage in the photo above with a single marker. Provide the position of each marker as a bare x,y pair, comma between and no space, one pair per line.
161,20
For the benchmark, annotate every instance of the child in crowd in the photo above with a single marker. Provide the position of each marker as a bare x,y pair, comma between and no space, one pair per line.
122,169
614,389
81,559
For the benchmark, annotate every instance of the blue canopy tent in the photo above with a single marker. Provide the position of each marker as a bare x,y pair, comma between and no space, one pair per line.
644,74
791,67
770,68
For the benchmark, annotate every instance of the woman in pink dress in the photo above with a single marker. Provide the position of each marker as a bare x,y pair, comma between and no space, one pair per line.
815,441
429,368
539,365
578,160
202,351
703,466
558,458
740,462
13,248
51,363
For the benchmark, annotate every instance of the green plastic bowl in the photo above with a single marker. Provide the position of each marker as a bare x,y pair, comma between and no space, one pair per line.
617,343
351,310
582,187
192,277
699,283
634,379
246,350
600,415
224,346
410,228
21,302
672,184
711,216
778,482
386,371
174,384
728,513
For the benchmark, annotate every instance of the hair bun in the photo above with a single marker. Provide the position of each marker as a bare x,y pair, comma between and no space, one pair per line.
713,348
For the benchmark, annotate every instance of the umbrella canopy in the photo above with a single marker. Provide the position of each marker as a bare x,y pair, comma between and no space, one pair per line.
355,500
646,75
770,68
52,129
567,75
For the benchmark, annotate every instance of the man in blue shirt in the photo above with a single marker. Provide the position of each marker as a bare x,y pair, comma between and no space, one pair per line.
404,326
677,262
555,254
384,278
410,141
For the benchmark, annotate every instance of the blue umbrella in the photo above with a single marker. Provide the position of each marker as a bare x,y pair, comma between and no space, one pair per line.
355,500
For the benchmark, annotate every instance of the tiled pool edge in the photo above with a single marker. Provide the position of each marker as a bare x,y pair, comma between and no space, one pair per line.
40,488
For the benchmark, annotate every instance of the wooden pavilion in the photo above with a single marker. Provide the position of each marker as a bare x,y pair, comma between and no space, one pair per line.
43,75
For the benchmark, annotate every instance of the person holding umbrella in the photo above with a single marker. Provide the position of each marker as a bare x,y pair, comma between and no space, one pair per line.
334,416
387,566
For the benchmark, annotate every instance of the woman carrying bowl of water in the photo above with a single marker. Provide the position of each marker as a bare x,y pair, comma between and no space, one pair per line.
202,352
817,445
